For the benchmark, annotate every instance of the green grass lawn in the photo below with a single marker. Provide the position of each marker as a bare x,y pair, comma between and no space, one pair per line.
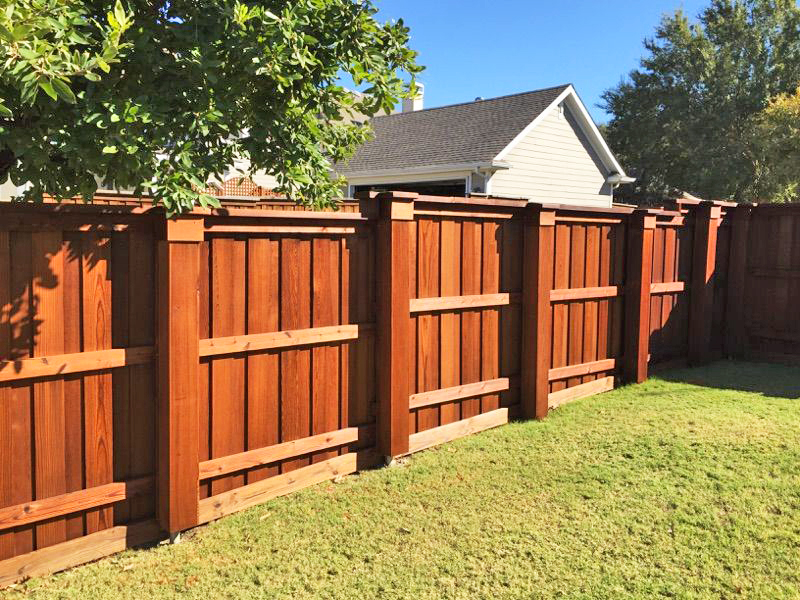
687,486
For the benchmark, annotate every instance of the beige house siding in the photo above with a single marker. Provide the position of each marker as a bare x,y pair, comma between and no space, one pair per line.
8,190
554,163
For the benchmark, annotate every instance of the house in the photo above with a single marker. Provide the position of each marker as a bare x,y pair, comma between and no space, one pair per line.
540,145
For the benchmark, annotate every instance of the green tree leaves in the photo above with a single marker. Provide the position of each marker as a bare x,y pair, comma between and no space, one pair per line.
165,96
775,139
683,119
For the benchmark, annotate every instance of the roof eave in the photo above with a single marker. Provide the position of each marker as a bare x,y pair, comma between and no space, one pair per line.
467,167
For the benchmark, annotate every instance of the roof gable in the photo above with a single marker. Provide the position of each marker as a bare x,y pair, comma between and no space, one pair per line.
473,132
585,122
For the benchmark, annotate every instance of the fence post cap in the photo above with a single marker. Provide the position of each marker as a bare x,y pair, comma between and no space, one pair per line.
184,228
397,206
539,214
644,218
368,204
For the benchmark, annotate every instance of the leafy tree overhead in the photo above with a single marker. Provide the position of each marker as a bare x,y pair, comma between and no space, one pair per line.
683,119
165,95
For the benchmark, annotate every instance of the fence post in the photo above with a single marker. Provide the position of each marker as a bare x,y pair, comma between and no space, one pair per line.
536,324
178,372
395,353
641,227
735,339
701,295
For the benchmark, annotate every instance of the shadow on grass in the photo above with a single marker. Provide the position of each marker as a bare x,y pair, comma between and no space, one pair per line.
777,381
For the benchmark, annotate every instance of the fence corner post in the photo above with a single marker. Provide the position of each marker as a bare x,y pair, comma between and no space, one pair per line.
539,235
395,348
178,372
735,336
701,296
639,268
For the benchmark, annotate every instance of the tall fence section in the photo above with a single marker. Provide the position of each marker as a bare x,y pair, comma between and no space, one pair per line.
158,373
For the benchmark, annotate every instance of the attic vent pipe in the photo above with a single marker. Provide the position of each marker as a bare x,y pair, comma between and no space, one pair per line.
417,102
479,98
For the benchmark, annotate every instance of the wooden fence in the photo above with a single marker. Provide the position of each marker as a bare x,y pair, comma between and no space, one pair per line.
157,374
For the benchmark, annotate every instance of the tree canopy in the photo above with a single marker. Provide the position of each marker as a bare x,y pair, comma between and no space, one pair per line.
776,142
163,96
686,118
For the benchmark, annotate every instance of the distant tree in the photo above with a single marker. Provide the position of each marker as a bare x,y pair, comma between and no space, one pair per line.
776,146
165,95
683,119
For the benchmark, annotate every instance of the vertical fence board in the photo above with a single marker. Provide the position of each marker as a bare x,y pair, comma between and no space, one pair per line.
263,302
603,306
342,291
560,332
49,437
450,322
510,343
668,336
428,281
139,305
124,407
576,309
98,409
471,264
591,279
325,358
490,317
22,322
204,368
618,278
8,435
227,373
73,394
361,305
295,364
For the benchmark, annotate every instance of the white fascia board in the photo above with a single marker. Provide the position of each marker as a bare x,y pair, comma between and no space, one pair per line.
467,167
570,96
529,127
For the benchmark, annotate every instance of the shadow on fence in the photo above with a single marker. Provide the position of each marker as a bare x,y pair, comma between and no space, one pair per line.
35,265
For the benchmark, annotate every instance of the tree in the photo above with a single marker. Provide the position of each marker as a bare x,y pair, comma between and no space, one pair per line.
682,120
776,144
165,95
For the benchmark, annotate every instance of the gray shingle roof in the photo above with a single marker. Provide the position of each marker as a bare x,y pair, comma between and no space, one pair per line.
470,132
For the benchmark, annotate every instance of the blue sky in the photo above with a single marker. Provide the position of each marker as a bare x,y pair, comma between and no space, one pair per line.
479,48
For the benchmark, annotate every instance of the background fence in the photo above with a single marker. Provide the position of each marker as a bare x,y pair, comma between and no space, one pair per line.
156,374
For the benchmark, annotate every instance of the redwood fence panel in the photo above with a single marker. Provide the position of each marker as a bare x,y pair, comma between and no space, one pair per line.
465,277
77,411
586,302
158,373
772,284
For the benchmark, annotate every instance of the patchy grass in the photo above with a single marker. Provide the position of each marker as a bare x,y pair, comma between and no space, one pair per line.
674,489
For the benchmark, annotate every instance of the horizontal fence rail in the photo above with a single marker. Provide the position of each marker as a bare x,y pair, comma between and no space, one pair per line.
159,373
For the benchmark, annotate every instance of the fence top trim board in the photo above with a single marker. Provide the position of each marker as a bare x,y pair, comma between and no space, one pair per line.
473,201
287,214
